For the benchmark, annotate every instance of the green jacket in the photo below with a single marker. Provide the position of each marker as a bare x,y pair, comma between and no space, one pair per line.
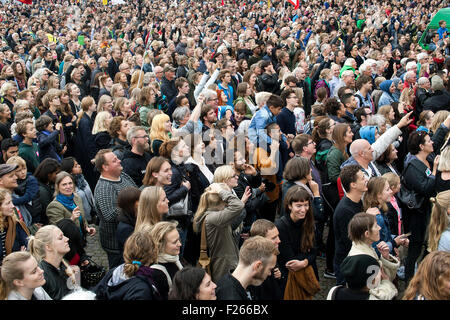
334,160
30,154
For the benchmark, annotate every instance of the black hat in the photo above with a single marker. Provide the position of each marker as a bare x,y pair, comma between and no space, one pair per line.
7,168
357,269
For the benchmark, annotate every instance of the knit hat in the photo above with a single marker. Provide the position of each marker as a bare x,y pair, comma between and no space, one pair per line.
357,269
7,168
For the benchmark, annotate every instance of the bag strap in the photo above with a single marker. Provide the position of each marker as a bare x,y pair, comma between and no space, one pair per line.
203,246
163,269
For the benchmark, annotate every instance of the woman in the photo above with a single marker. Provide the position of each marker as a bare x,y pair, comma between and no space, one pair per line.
251,78
8,93
431,279
424,122
244,93
363,231
132,280
137,80
377,196
168,244
13,231
153,205
82,189
5,124
105,103
179,188
323,82
298,172
84,140
122,107
201,175
439,228
443,171
100,130
388,112
387,97
296,228
48,246
217,209
67,212
121,78
160,131
157,173
46,174
117,91
192,283
106,84
146,103
20,76
385,162
128,202
74,95
21,278
68,120
322,136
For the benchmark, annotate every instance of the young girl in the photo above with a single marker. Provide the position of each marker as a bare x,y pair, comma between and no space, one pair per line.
375,202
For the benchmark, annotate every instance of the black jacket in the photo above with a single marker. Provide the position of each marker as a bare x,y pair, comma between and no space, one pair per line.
439,100
198,184
102,140
168,89
55,280
135,165
289,247
269,83
135,288
21,240
125,228
119,147
113,68
229,288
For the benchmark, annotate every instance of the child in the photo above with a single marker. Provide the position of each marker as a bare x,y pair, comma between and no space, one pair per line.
49,147
394,213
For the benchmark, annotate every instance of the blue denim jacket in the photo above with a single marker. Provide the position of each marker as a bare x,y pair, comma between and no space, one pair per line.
258,124
385,233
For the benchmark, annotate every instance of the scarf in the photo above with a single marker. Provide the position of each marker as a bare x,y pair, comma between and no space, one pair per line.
203,168
11,232
66,201
147,272
80,181
167,258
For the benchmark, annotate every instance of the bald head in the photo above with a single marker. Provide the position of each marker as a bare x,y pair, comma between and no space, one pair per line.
361,151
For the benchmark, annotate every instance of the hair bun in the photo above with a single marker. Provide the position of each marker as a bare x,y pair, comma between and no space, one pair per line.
433,200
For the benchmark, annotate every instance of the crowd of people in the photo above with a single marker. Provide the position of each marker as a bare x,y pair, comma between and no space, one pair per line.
219,150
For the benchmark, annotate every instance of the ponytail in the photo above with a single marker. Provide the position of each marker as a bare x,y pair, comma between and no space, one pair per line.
11,270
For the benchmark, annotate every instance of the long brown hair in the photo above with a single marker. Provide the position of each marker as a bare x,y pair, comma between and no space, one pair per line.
297,194
321,124
429,278
139,250
339,132
439,220
375,187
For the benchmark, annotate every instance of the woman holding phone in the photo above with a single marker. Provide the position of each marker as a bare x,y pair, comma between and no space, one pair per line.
67,212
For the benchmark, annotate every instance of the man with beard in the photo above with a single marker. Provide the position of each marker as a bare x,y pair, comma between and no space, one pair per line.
135,161
257,258
114,62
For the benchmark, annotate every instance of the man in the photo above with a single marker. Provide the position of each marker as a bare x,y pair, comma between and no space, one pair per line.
304,146
125,68
114,62
304,82
256,55
102,67
271,288
325,50
347,80
335,68
362,155
364,87
354,183
158,74
262,118
440,98
168,88
236,78
423,93
362,116
226,130
10,148
50,62
182,87
118,129
112,180
286,118
257,258
334,109
28,149
350,104
269,78
134,161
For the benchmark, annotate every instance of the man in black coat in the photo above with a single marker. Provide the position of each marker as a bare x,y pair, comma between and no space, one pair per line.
257,258
439,99
168,87
269,78
134,161
114,62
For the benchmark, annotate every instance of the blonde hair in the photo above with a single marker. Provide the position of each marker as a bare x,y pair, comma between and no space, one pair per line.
141,248
157,131
17,160
42,238
147,212
223,173
208,201
11,270
438,119
99,123
3,194
159,232
384,111
444,162
439,220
